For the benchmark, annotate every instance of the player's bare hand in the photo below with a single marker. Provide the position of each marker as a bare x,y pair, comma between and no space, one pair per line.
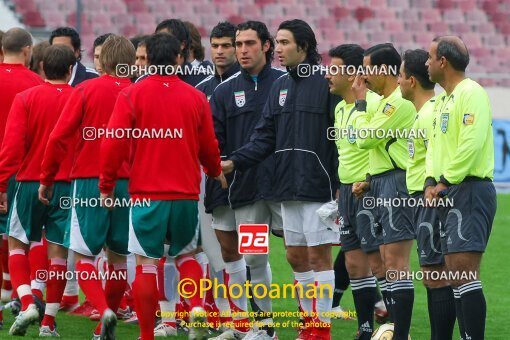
359,87
107,200
337,194
359,188
227,166
221,178
430,196
3,203
45,193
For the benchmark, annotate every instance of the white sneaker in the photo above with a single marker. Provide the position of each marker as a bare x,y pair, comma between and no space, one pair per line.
45,331
108,323
340,314
165,330
230,334
198,324
260,334
23,320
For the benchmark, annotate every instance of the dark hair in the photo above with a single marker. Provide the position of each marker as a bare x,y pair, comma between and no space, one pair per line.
196,41
177,28
56,61
304,37
224,29
262,34
384,54
100,40
67,32
38,55
452,52
15,39
351,54
414,65
162,49
139,40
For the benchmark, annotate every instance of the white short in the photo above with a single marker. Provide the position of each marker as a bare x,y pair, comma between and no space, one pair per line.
303,227
263,212
210,243
223,218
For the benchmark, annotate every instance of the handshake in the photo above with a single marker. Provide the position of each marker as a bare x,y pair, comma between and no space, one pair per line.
226,168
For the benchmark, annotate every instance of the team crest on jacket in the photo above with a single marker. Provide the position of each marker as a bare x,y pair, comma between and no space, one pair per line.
283,96
240,98
444,122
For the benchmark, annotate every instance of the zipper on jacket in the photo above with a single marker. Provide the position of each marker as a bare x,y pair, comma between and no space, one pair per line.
256,84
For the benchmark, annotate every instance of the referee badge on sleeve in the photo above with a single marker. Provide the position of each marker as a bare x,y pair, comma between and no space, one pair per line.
444,122
388,109
410,147
468,119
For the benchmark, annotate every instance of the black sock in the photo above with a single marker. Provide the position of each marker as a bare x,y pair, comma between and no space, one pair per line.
474,309
459,314
341,278
402,296
383,285
441,312
364,292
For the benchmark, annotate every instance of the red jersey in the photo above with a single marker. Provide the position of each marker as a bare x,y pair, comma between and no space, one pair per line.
175,122
88,109
33,115
14,78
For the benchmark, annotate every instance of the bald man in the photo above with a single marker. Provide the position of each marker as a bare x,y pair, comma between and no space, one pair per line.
460,166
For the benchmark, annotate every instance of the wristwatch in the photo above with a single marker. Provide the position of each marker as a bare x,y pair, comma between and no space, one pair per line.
360,104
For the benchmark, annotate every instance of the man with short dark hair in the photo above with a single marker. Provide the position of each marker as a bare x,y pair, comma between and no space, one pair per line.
386,176
15,77
173,210
359,241
32,117
293,130
69,37
96,49
416,86
460,166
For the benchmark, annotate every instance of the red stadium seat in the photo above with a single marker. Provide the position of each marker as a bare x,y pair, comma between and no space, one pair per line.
393,26
402,38
34,19
439,28
363,13
416,26
341,12
453,16
460,28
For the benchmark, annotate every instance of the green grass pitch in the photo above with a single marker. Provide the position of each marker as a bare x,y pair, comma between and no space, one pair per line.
495,267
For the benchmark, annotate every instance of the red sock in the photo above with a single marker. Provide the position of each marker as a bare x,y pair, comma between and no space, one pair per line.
38,259
92,288
190,269
4,257
55,286
116,285
145,292
97,331
18,260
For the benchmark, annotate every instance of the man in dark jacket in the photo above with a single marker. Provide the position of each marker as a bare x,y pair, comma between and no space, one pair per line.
293,130
68,36
237,104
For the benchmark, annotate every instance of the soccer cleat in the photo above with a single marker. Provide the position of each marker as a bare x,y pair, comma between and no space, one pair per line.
85,309
165,330
96,336
260,334
380,312
108,323
338,313
23,320
133,320
41,307
15,306
45,331
69,303
198,324
230,334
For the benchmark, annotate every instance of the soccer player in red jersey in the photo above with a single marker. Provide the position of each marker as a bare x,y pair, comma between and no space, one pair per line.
32,117
167,172
91,227
15,77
